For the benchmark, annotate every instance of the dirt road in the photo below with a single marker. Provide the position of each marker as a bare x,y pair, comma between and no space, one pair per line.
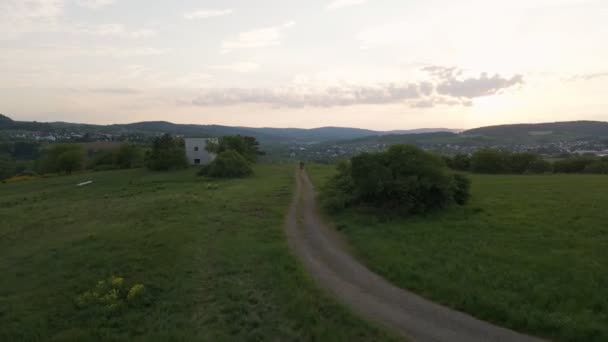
325,257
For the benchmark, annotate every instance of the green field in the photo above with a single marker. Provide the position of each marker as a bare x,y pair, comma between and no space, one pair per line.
213,259
528,252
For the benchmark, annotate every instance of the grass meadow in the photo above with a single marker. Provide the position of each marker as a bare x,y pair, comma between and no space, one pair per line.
142,256
528,252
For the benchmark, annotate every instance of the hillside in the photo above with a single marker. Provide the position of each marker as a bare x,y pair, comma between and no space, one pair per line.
265,135
554,131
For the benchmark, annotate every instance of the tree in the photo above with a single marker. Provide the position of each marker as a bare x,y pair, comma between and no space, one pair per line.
573,165
63,158
248,147
404,178
228,164
70,161
127,156
168,153
489,161
7,166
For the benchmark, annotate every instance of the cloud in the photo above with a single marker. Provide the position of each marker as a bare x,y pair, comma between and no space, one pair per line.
95,4
484,85
243,67
205,14
264,37
588,77
446,88
338,4
118,30
114,91
19,16
301,96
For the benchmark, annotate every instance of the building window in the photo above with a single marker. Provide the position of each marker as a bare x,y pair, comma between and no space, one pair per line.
195,148
197,161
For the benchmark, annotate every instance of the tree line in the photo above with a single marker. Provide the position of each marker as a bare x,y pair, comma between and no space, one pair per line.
492,161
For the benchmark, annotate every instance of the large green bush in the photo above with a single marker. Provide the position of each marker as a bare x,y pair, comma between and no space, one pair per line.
404,179
228,164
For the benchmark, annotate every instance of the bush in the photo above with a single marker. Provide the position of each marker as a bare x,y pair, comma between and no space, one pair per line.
495,161
489,161
404,178
127,156
8,167
597,167
248,147
462,189
167,153
63,158
228,164
573,164
337,193
460,162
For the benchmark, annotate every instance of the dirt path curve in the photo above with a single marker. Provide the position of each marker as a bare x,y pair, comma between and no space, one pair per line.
324,255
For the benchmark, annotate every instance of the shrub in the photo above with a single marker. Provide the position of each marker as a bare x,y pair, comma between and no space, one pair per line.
63,158
489,161
127,156
597,167
168,153
460,162
248,147
228,164
495,161
8,167
136,292
404,178
109,295
462,189
338,192
573,164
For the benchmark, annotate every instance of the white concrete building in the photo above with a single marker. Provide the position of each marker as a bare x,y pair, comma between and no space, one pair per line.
196,152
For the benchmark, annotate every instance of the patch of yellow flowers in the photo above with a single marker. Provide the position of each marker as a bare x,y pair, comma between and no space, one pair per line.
111,295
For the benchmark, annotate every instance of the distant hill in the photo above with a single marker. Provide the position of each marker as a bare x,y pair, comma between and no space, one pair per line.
484,136
544,132
265,135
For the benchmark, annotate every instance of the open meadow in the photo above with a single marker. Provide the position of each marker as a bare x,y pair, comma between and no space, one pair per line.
527,252
141,256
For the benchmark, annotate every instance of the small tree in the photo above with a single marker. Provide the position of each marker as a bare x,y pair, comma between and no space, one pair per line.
64,158
248,147
127,156
489,161
168,153
7,166
228,164
70,161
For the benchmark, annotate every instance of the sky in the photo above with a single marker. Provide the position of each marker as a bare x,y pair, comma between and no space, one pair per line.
377,64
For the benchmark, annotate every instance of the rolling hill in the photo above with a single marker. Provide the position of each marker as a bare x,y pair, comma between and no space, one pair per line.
265,135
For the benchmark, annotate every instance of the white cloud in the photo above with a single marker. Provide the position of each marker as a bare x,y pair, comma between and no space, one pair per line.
19,16
264,37
338,4
205,14
445,88
588,77
95,4
243,67
118,30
